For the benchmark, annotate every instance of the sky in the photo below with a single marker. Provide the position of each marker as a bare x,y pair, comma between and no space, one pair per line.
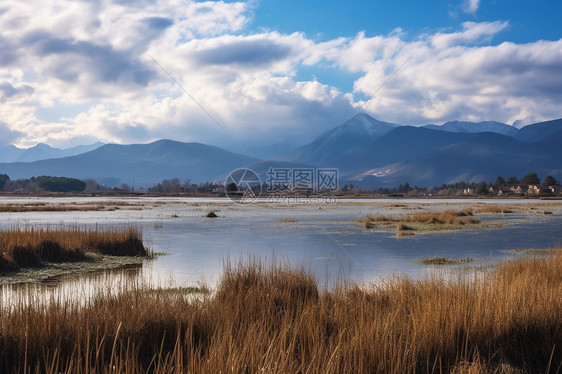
243,74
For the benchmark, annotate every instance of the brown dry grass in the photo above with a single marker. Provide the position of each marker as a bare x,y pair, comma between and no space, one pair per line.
495,209
65,207
448,217
32,246
273,319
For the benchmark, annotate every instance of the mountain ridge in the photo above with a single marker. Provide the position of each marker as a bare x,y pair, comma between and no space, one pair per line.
366,151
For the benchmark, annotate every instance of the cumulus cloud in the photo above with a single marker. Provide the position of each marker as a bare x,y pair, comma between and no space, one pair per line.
9,91
472,33
470,6
97,56
449,76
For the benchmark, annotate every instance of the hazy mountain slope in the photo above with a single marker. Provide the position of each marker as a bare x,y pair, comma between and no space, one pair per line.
539,131
9,153
353,133
474,127
477,158
402,143
41,151
147,164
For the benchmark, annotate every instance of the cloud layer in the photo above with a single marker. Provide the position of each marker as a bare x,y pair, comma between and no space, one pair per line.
95,57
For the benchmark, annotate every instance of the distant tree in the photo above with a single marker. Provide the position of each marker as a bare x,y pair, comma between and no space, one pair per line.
499,182
4,178
125,187
187,184
166,186
59,184
548,181
232,187
482,189
175,185
531,178
512,181
92,185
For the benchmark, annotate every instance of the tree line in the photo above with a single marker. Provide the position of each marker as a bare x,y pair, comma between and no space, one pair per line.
42,183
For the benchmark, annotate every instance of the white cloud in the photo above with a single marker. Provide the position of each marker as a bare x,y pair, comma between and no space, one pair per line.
472,33
58,54
470,6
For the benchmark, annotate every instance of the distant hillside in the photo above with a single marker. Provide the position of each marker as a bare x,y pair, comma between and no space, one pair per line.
474,127
429,155
475,158
353,133
41,151
539,131
147,164
366,151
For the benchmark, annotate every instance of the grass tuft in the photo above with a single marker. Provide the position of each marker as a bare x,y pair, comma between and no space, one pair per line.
275,319
32,247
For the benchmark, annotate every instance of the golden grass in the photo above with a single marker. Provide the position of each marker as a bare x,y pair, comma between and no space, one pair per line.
492,208
32,246
447,217
67,207
273,319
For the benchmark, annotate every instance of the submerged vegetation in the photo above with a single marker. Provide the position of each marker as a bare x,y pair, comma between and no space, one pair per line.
444,261
274,319
33,247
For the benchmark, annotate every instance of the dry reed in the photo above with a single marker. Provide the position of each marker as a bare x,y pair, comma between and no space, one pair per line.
273,319
32,246
492,208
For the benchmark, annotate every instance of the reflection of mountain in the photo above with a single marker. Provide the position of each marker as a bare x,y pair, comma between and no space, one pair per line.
366,151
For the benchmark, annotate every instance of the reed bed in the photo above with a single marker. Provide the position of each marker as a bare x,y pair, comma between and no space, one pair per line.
446,217
496,209
33,246
274,319
66,207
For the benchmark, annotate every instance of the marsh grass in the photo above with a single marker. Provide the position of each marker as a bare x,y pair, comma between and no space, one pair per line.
494,209
444,261
532,251
32,247
68,207
424,221
274,319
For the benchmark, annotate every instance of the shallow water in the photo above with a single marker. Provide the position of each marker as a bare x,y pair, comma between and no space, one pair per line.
325,237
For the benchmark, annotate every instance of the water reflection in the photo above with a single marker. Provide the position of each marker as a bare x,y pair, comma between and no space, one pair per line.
79,288
326,239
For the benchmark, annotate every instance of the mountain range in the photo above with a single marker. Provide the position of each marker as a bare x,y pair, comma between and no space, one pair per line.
11,153
366,151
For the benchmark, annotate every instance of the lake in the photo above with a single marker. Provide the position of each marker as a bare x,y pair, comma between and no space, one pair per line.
327,238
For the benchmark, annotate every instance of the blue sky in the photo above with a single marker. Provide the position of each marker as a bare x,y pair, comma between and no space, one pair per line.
75,72
324,20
